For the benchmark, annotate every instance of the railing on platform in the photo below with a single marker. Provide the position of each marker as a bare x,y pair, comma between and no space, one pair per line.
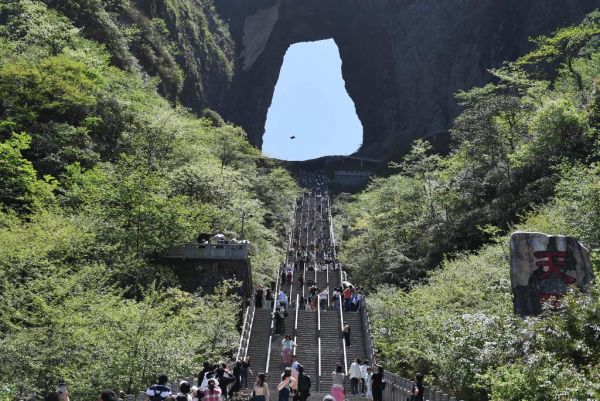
246,331
208,251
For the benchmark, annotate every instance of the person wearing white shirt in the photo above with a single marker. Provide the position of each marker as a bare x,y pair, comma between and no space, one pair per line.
355,376
323,296
363,376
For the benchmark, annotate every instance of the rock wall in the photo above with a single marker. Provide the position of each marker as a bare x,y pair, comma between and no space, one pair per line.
402,60
206,275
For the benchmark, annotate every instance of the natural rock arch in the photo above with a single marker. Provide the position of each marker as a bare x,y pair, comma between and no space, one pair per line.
402,60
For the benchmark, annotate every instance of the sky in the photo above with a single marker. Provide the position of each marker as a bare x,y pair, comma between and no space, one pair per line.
311,103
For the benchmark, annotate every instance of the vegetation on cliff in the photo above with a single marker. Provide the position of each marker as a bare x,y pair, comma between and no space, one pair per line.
525,156
98,173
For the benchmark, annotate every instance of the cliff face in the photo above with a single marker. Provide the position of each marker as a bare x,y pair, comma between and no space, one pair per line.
184,43
402,60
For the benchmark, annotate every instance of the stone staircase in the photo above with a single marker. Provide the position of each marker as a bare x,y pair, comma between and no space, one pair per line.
308,335
259,340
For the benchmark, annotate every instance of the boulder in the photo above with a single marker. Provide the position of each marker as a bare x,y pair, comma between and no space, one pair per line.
544,267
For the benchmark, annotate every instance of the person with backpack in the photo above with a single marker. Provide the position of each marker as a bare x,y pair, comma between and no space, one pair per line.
224,379
378,384
159,391
261,388
285,385
346,332
210,374
279,321
205,369
304,385
418,390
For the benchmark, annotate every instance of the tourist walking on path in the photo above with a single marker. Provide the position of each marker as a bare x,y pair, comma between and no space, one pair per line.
261,388
268,299
212,392
303,384
159,391
245,372
368,377
347,294
417,391
258,301
363,375
346,332
225,378
285,385
355,376
287,347
323,297
337,389
283,301
279,321
378,384
295,373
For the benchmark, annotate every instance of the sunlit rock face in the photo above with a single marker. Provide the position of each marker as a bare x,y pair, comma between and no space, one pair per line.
402,60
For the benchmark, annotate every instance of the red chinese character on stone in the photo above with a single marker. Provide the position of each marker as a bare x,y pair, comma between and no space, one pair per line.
551,264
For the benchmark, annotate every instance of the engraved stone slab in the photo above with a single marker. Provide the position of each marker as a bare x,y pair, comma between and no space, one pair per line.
543,267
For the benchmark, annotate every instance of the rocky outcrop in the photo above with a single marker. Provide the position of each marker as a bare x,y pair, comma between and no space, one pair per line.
544,267
402,60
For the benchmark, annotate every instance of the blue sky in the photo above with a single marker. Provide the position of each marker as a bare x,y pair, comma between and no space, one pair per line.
311,102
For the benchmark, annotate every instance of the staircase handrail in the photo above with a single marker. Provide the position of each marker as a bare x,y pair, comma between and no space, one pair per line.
367,331
319,346
296,322
246,330
275,301
341,285
343,338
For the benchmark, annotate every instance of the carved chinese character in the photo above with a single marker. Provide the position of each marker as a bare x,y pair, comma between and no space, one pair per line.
543,267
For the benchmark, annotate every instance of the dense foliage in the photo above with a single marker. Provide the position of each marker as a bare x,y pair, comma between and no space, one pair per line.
98,173
509,144
525,157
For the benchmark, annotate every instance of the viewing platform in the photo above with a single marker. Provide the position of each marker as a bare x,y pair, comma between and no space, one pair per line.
194,251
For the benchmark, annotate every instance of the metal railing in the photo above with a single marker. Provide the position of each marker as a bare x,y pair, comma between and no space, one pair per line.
398,389
366,325
343,338
296,322
319,346
246,330
208,251
275,301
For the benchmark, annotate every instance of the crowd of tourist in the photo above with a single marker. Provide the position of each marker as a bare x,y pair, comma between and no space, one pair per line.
220,382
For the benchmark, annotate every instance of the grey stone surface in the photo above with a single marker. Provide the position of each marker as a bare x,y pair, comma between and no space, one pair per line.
206,275
543,267
402,60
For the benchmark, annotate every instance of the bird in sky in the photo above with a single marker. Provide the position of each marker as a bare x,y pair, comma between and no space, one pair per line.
293,137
